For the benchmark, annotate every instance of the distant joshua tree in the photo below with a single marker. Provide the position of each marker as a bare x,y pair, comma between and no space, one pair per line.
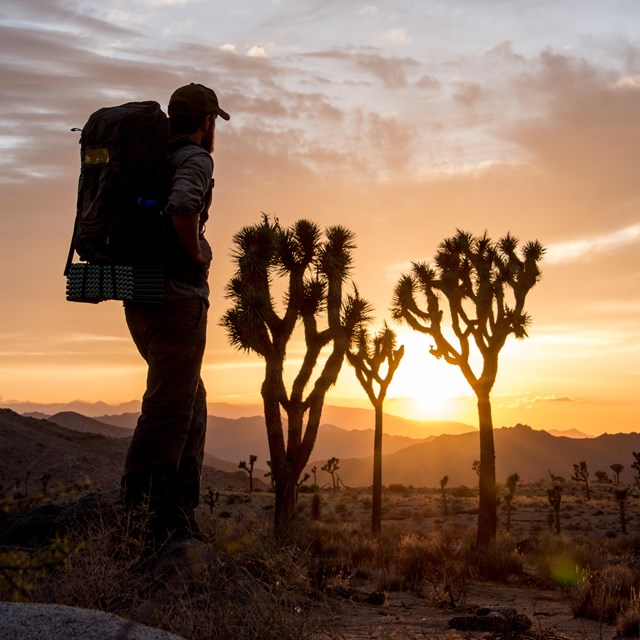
368,355
331,467
511,484
621,494
45,478
484,284
581,474
554,496
314,470
636,466
210,498
476,467
602,477
443,483
249,469
617,470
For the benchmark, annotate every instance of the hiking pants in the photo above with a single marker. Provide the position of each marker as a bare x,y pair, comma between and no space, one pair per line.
164,461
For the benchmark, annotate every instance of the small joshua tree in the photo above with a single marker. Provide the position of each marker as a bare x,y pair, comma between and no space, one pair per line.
249,469
302,480
617,470
511,484
45,479
581,474
554,496
210,498
331,467
602,477
314,471
621,494
443,483
636,466
476,467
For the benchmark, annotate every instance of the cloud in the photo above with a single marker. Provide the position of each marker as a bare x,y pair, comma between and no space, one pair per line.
398,35
228,48
589,248
256,52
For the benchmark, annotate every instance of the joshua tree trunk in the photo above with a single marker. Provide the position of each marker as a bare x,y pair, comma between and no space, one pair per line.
376,506
487,514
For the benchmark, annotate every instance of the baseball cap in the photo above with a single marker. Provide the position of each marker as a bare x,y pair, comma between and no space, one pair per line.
194,100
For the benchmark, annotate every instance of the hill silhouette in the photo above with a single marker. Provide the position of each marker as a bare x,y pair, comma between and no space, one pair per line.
33,447
519,449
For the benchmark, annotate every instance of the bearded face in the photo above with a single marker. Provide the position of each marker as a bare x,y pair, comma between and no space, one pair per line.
208,138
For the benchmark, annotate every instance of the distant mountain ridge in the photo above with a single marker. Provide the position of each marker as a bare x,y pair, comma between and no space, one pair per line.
520,449
349,418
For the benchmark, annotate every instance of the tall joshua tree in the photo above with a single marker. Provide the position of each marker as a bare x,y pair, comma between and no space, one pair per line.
312,269
484,284
368,355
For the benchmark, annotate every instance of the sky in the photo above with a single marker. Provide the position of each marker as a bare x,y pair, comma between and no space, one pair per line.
402,121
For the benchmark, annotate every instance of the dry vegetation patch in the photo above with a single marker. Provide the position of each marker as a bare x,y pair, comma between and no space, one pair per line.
333,579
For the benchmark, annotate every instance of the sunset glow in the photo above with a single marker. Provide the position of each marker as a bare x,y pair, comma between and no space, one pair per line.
402,121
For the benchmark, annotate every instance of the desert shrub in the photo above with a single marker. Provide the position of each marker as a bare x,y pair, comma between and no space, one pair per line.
603,595
499,560
398,488
462,492
435,565
628,621
559,561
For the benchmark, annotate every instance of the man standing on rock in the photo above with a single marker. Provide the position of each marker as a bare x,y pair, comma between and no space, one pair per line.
164,462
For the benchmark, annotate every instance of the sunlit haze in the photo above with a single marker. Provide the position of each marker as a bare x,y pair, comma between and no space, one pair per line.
402,121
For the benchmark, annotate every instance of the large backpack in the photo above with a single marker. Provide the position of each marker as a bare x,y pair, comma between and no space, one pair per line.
119,230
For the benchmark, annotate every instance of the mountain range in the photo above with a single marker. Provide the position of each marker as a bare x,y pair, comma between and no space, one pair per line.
69,443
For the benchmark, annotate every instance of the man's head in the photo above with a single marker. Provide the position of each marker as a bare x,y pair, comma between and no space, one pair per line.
194,106
195,100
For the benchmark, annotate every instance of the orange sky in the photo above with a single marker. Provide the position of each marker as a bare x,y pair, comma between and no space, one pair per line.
402,123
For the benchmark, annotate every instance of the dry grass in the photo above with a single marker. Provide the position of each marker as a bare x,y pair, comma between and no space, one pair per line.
240,584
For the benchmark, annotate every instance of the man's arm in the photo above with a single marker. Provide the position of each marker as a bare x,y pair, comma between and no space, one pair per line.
187,230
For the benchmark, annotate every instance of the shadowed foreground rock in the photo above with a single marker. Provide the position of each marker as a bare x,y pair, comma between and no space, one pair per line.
57,622
495,619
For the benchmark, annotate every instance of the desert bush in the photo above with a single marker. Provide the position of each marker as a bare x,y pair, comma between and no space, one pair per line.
463,492
603,595
628,620
499,560
435,565
560,561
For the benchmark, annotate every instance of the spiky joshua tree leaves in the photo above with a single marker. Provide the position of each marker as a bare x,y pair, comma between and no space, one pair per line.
375,360
484,285
311,269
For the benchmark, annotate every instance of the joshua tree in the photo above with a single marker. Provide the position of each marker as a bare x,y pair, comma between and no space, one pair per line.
367,355
210,498
331,467
476,467
621,494
602,477
300,482
512,482
443,483
485,285
581,474
636,466
555,497
311,269
45,479
249,469
617,470
314,470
